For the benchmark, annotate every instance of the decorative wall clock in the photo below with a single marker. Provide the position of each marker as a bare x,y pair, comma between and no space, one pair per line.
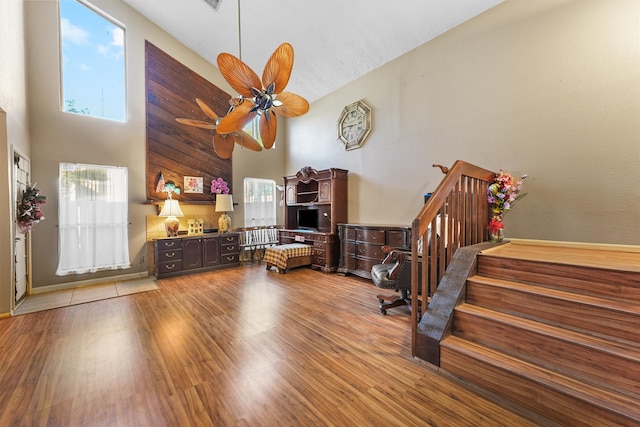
354,125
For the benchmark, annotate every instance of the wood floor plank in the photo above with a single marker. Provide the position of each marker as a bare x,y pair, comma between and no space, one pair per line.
234,347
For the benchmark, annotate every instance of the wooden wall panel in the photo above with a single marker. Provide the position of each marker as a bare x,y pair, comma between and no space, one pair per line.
175,149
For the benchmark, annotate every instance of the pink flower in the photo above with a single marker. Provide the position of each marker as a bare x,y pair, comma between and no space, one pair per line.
219,186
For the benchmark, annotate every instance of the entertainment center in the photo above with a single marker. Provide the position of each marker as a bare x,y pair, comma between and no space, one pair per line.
315,203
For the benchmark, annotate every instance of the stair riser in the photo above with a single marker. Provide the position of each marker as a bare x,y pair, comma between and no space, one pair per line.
602,368
575,315
532,395
622,286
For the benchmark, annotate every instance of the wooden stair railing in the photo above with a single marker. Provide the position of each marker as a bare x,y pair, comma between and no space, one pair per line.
457,213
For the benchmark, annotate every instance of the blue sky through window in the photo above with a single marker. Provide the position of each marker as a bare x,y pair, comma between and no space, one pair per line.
93,68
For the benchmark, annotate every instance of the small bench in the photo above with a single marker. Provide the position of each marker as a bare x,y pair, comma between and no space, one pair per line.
284,257
256,239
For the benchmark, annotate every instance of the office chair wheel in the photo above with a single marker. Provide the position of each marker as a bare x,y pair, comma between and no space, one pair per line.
381,300
383,311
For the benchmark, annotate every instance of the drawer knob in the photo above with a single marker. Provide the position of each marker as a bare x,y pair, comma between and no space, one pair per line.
170,244
170,255
170,267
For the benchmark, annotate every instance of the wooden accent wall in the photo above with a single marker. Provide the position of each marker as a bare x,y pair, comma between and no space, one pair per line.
175,149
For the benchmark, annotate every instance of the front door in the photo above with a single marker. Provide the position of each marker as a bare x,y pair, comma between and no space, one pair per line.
21,170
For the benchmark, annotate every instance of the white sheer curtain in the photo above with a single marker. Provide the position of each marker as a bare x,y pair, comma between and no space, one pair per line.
92,218
259,202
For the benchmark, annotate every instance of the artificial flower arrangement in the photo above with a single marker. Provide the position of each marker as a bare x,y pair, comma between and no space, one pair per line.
502,196
29,212
219,186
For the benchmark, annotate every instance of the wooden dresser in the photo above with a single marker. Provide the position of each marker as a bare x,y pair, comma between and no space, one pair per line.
361,245
191,254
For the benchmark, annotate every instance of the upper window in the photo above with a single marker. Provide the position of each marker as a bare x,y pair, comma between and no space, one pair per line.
253,129
93,68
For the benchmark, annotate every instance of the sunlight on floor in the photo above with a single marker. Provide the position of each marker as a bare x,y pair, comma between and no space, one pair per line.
66,297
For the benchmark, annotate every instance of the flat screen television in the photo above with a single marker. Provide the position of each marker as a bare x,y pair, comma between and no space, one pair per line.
308,219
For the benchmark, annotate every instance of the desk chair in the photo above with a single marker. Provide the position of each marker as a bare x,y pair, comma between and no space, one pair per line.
393,273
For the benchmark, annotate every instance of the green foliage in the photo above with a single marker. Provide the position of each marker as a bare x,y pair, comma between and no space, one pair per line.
72,108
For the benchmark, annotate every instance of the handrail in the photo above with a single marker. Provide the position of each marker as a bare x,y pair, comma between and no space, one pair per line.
457,214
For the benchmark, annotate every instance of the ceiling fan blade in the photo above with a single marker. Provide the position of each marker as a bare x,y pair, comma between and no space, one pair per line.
207,110
238,74
278,68
292,105
197,123
268,129
223,144
245,140
237,118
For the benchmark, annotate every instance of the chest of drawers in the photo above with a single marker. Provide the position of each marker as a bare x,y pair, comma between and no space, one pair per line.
361,245
190,254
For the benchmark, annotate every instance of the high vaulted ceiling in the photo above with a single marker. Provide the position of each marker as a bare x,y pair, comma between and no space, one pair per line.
335,41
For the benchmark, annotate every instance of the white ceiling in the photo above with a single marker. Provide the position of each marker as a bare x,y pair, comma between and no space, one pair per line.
335,41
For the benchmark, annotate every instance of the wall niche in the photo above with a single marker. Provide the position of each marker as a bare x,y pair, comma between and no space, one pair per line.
174,149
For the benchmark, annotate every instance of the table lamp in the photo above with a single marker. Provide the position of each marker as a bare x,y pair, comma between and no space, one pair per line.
224,204
171,210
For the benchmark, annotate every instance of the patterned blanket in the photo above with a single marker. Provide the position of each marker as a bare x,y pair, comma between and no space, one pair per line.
278,255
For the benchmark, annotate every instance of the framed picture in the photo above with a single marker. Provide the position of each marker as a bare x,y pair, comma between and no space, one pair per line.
193,184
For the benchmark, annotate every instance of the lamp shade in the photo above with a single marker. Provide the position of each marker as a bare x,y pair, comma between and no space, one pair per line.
224,203
171,208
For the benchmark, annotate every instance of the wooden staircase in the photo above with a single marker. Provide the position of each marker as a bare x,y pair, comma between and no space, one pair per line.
554,329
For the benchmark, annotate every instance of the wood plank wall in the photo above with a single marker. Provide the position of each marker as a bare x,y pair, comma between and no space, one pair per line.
175,149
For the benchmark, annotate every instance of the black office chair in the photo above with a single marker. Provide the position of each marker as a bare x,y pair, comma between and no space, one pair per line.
393,273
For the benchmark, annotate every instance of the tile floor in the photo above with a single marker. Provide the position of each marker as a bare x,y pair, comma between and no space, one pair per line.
66,297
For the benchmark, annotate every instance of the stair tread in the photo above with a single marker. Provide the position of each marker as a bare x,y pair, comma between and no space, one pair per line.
632,308
626,349
620,403
614,258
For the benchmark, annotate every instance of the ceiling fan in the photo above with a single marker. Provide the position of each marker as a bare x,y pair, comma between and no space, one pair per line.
258,97
223,144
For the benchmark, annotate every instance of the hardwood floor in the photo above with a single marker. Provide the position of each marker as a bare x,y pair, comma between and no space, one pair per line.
235,347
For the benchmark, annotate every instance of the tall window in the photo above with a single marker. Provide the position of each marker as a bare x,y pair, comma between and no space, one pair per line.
253,129
92,218
259,202
93,67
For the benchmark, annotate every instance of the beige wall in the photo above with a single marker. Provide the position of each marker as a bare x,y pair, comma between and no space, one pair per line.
14,133
550,88
60,137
